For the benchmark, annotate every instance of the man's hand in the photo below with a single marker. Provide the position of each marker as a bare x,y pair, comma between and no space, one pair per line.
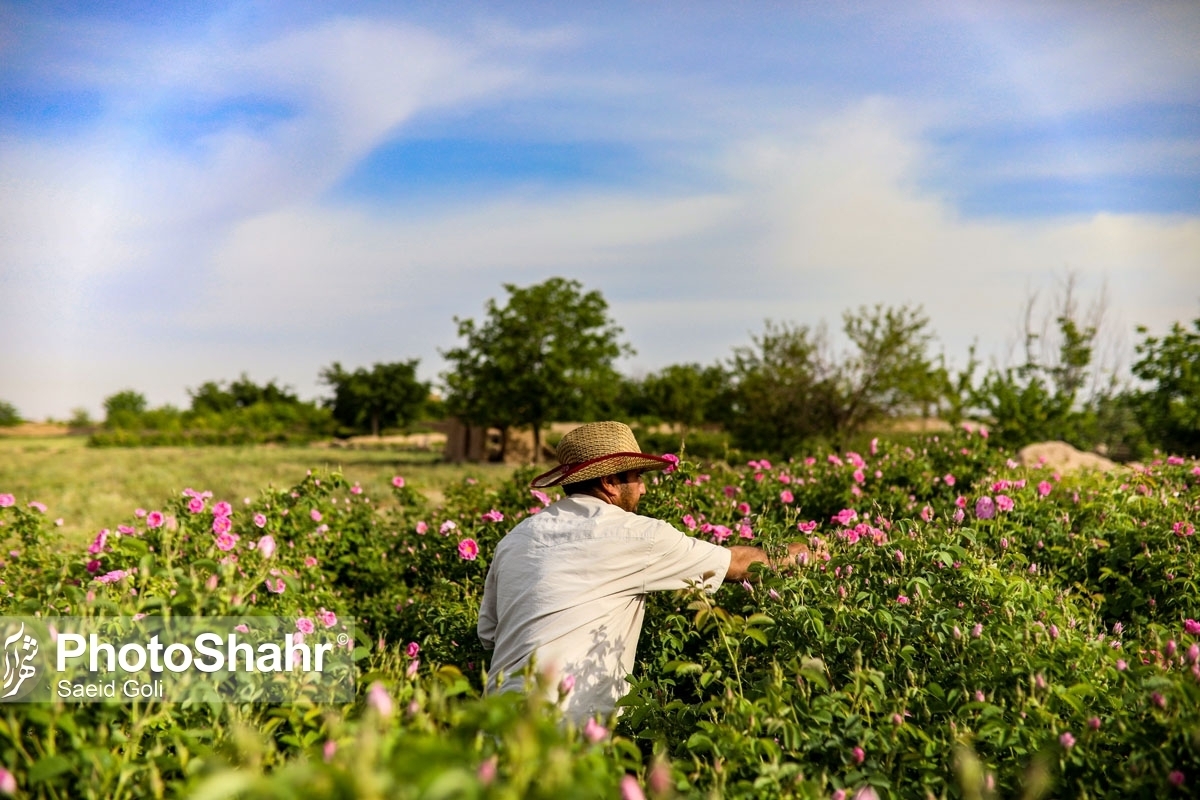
798,556
742,556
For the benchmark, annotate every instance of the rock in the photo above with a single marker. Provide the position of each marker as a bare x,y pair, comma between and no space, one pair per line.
1062,457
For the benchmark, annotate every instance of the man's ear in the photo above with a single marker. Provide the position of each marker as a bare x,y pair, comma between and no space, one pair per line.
610,486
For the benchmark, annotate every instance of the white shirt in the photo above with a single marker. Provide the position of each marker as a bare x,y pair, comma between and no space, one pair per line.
567,587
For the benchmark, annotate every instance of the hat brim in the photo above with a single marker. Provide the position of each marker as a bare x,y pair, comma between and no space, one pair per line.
611,464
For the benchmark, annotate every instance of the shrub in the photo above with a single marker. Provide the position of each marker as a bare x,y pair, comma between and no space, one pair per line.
971,627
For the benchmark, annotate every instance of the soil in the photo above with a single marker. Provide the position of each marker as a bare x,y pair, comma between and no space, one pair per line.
1062,457
35,429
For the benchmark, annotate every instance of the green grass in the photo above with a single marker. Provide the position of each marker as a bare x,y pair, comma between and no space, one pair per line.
93,488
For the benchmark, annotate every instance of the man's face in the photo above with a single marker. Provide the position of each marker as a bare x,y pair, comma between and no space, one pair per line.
630,490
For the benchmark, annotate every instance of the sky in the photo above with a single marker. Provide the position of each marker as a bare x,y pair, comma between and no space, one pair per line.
189,192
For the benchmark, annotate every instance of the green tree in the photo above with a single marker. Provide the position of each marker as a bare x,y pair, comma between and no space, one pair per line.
789,390
8,415
124,409
783,390
80,418
1040,400
387,395
890,372
1170,407
214,397
687,395
546,354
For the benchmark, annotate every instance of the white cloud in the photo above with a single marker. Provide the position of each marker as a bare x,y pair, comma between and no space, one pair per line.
137,260
1051,59
829,220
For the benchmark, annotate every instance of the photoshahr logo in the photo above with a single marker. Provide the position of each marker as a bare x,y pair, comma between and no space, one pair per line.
20,650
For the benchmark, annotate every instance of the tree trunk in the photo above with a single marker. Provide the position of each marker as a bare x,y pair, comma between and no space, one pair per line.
375,423
537,442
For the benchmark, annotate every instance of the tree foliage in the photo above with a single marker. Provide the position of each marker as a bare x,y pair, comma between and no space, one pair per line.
789,390
782,390
1059,392
215,396
1038,401
547,353
387,395
1170,407
124,409
687,395
9,415
238,413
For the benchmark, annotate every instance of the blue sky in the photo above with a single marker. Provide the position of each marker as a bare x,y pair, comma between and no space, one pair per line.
193,191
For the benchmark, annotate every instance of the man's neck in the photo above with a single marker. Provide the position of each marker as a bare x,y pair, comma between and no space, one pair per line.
595,495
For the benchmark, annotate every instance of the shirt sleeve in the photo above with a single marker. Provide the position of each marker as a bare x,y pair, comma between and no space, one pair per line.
678,561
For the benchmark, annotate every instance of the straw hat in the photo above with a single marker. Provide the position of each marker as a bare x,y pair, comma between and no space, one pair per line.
595,450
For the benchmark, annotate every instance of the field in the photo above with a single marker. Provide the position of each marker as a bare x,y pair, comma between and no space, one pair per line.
978,629
94,488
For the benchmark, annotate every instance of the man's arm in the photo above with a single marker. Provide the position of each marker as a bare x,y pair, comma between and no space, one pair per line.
741,557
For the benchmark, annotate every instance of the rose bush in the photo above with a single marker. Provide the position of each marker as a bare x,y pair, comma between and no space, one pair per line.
1042,641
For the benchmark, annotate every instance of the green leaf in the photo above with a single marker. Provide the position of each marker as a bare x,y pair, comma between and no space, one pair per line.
756,635
48,767
684,667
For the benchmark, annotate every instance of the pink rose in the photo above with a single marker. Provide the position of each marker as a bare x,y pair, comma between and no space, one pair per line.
593,731
97,545
379,699
468,549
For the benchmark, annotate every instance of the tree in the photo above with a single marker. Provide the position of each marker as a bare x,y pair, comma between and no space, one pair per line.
1056,393
783,390
1170,407
546,354
9,416
124,409
684,394
213,397
80,418
790,390
891,371
387,395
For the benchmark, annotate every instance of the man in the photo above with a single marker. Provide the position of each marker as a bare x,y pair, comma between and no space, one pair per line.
567,587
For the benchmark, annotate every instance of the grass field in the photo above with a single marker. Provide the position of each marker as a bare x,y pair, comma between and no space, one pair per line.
93,488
